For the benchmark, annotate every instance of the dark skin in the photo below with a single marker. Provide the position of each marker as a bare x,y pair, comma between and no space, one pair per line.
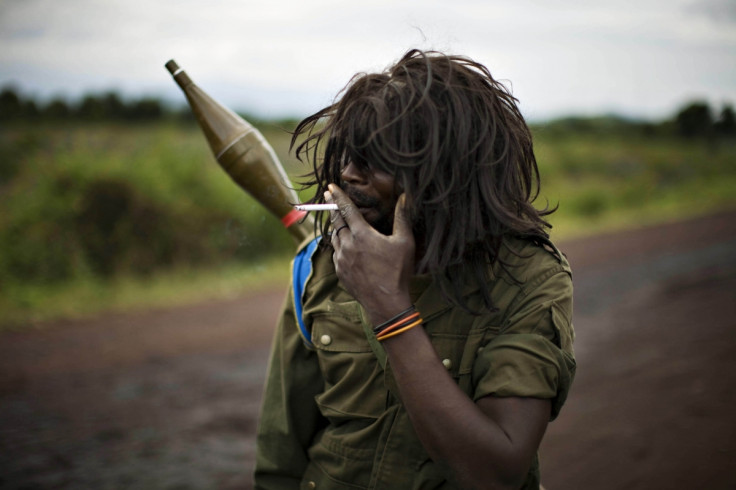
488,443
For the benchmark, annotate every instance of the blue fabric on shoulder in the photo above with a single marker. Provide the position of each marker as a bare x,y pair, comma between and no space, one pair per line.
300,273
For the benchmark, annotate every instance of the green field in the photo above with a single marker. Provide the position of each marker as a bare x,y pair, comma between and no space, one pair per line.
604,183
106,216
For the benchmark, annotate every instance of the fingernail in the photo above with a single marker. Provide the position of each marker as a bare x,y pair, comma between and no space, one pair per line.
331,187
328,196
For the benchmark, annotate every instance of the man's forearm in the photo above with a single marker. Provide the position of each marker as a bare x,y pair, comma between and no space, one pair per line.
454,430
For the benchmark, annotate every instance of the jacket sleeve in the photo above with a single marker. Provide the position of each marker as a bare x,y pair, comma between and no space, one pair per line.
533,355
289,415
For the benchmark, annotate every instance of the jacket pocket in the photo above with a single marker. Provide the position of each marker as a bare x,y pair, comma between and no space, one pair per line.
336,327
457,353
353,382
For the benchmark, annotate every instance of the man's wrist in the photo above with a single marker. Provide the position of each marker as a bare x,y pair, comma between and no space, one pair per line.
381,314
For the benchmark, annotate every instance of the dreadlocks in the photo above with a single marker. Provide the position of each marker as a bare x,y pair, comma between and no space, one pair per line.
457,146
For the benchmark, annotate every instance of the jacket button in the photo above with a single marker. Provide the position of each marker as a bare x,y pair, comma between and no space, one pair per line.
447,363
326,340
311,484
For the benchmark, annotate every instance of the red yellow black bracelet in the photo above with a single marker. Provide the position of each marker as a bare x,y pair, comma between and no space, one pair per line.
400,323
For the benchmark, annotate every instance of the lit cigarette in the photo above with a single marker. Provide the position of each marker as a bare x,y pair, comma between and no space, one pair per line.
316,207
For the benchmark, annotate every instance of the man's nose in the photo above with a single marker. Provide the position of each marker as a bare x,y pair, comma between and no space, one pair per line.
352,174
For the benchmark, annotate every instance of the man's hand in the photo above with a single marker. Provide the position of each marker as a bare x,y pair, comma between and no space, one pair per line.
488,444
374,268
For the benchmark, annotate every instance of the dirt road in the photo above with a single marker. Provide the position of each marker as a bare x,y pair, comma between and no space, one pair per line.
169,399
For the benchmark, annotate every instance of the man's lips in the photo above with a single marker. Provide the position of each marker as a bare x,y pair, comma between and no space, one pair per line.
361,200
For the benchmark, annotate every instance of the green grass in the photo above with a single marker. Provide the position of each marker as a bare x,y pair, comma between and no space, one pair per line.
605,183
113,217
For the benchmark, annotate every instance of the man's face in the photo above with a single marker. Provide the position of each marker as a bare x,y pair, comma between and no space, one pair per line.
374,192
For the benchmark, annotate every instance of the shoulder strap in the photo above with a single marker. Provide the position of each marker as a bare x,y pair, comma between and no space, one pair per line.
300,272
376,346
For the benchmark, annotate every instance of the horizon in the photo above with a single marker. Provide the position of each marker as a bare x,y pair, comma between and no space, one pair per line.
183,106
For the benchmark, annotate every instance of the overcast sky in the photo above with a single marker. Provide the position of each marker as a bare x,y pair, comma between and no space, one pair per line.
640,58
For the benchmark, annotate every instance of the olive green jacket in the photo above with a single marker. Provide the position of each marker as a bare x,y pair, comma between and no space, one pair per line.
331,415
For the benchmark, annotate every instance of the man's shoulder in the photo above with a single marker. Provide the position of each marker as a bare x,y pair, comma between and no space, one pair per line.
315,264
529,262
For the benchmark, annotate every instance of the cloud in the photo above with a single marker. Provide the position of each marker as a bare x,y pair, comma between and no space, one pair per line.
559,55
717,11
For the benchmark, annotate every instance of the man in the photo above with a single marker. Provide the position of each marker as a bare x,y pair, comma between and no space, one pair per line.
428,342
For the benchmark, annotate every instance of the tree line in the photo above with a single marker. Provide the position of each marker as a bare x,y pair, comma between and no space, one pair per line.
694,120
107,106
697,120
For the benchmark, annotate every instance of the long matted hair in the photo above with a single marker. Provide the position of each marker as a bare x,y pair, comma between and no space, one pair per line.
456,144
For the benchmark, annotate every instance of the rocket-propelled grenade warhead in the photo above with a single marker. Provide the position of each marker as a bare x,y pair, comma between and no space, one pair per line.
243,152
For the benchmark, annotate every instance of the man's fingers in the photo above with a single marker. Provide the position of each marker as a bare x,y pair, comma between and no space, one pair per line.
335,216
402,224
347,209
